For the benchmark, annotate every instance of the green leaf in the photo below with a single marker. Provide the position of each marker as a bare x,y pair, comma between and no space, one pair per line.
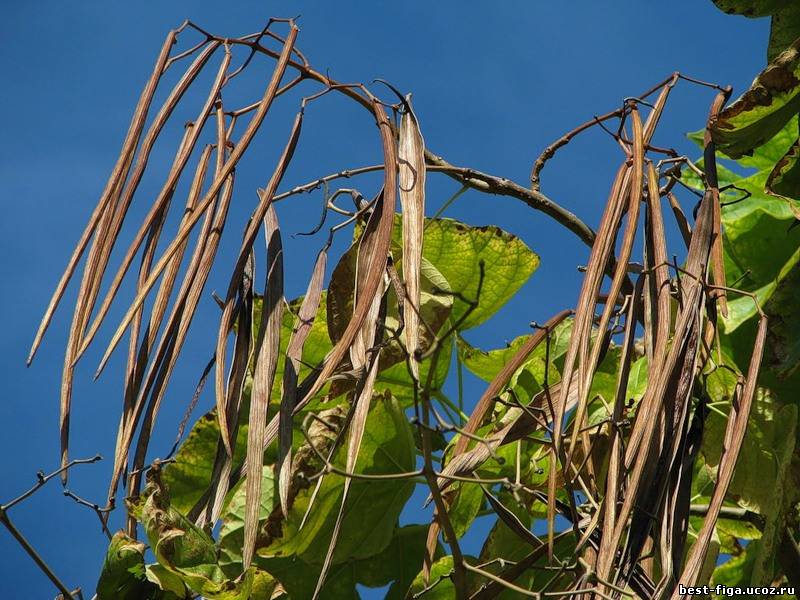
637,379
440,585
456,250
397,564
742,530
436,306
503,543
166,580
372,506
783,335
784,30
189,476
751,8
785,176
761,247
466,506
397,380
529,378
736,571
765,566
231,533
758,469
318,343
299,578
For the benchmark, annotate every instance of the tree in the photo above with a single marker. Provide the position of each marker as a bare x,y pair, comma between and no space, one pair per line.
664,451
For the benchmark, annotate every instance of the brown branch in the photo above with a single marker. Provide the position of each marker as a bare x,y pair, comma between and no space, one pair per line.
731,512
17,535
491,184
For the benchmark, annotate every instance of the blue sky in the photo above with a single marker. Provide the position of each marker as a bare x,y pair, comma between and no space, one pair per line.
493,84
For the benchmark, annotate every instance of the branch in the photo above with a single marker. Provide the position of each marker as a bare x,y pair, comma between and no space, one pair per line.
43,479
474,179
731,512
17,535
505,187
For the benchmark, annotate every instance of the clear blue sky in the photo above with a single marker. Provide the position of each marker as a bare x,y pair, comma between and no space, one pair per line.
493,84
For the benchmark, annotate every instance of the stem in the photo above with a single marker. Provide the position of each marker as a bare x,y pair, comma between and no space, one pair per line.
459,571
43,566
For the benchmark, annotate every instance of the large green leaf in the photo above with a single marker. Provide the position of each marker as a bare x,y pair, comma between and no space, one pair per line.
466,504
502,544
530,377
189,476
785,27
372,507
504,547
758,469
231,533
761,246
397,380
784,322
783,446
397,565
456,250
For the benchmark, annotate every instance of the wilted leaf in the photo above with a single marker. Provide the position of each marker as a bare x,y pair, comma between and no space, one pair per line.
764,109
436,304
123,576
187,552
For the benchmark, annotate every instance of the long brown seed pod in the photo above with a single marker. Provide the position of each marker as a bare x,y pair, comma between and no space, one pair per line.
294,354
411,157
268,349
118,173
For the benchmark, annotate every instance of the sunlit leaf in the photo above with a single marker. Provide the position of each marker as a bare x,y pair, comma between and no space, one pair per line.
456,250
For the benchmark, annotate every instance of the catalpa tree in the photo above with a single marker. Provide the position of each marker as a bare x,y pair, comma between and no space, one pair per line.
640,442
